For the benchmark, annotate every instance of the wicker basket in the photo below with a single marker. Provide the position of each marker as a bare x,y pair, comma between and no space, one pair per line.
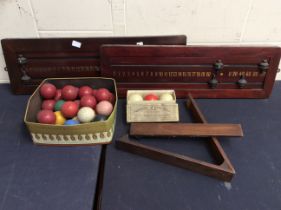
100,132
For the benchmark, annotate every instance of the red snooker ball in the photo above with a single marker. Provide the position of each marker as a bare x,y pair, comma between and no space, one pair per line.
48,104
69,109
151,97
78,103
103,94
94,92
104,108
85,90
48,91
69,92
46,117
88,101
58,95
112,98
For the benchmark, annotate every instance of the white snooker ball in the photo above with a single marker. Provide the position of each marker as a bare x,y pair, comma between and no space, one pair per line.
86,114
166,97
135,98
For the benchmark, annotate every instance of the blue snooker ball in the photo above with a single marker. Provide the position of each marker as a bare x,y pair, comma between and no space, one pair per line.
71,122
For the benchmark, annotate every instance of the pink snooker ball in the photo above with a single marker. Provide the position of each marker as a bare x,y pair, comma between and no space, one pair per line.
104,108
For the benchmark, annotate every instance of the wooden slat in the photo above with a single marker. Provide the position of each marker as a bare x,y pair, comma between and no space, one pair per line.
199,166
185,129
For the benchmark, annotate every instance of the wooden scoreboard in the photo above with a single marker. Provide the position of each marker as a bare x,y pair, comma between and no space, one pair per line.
29,61
163,62
203,71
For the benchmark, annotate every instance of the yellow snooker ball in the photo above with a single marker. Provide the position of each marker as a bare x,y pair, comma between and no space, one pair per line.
59,118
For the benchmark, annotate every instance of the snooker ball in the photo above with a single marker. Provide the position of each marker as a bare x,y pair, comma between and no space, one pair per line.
100,118
151,97
69,92
59,118
88,100
48,104
69,109
166,97
86,114
71,122
46,117
94,92
135,98
104,108
85,90
112,98
48,91
58,105
75,118
103,94
78,103
58,95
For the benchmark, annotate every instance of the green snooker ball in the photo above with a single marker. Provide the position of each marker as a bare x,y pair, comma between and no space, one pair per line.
58,105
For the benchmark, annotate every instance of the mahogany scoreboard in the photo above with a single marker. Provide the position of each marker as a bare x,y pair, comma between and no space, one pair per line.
163,62
29,61
203,71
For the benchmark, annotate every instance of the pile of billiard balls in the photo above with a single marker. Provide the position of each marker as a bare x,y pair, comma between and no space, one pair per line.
135,97
74,105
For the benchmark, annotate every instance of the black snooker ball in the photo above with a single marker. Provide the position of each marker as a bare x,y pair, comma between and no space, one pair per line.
100,118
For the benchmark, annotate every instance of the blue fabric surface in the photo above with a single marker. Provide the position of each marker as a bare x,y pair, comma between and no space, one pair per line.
138,183
40,177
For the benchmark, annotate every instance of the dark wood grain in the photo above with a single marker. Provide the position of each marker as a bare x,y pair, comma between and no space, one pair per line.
56,57
223,170
214,143
189,69
175,159
185,129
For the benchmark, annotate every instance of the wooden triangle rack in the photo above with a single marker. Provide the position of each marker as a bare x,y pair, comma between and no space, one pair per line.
223,171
